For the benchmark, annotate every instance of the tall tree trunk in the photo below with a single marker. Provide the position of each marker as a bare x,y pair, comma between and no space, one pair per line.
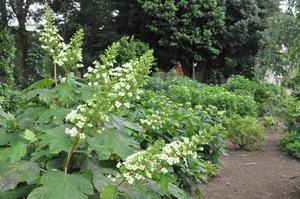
3,11
202,70
24,47
20,8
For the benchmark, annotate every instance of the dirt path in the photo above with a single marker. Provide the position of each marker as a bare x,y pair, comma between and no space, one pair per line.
268,174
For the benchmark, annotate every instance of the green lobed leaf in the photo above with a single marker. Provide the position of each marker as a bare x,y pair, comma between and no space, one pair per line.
7,116
44,83
64,92
138,192
23,171
14,153
6,138
18,192
28,118
56,184
56,139
164,182
35,93
121,122
177,192
55,113
109,192
112,142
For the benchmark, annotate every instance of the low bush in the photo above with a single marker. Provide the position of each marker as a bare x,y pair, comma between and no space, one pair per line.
227,101
247,133
290,142
269,121
271,99
165,119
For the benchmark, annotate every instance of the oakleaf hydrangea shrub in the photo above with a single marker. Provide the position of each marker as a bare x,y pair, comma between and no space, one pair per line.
70,138
66,56
247,133
158,157
112,88
183,90
232,103
178,89
164,118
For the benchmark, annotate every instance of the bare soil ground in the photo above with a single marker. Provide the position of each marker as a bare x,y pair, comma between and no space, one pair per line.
267,174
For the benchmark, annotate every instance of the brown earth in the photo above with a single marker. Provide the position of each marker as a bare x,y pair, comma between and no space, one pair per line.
267,174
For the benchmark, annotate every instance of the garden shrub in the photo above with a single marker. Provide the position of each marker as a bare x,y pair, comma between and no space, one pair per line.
155,84
163,118
183,90
70,138
290,140
271,99
269,121
232,103
178,89
183,94
247,133
130,48
182,81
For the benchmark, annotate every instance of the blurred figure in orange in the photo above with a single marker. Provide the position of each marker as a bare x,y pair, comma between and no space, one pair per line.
179,70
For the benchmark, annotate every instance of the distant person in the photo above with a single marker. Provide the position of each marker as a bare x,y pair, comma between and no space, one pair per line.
179,70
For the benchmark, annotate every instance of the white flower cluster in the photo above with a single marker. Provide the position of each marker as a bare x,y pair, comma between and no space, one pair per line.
64,55
74,132
146,164
113,88
154,120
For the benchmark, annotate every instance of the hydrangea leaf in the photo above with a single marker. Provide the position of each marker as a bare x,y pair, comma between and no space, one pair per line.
7,116
23,171
55,184
6,138
138,192
44,83
56,139
113,142
109,192
64,92
164,182
14,153
177,192
18,192
53,113
28,118
120,122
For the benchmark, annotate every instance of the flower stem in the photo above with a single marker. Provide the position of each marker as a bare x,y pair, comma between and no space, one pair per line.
55,75
67,162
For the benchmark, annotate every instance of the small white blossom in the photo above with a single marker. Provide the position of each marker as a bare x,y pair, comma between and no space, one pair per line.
118,104
81,135
72,132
